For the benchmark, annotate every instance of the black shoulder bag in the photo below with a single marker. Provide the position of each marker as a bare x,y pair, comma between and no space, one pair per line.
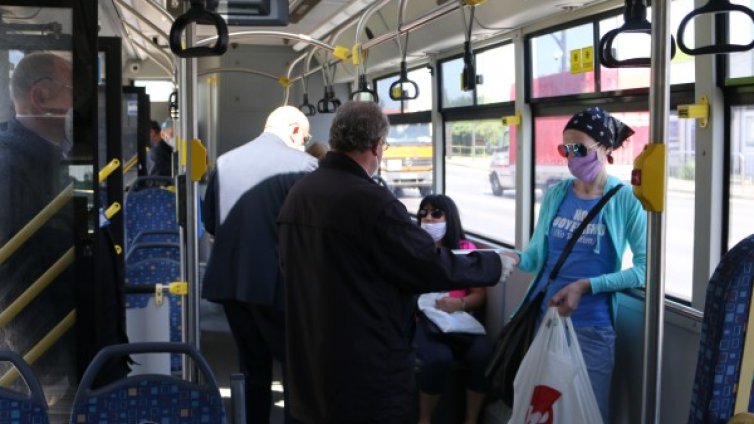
517,335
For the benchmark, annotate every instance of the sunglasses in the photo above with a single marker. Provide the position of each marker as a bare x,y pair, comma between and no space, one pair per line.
578,150
435,213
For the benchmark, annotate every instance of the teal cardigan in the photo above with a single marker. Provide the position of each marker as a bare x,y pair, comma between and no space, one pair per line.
626,223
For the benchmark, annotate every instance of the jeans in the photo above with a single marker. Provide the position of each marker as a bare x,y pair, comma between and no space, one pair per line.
598,348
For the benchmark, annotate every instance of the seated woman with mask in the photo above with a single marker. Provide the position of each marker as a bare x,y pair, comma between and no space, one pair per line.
438,215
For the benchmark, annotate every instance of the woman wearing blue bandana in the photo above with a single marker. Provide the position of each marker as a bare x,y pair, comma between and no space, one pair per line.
592,273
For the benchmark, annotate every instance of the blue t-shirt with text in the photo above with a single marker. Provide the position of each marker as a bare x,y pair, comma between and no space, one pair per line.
591,256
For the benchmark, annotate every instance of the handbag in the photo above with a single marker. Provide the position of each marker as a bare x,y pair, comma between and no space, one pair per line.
517,335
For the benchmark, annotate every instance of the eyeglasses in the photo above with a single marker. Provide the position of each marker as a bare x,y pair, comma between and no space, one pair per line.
385,144
307,138
578,150
435,213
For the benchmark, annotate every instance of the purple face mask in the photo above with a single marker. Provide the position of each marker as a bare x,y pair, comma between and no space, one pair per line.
585,168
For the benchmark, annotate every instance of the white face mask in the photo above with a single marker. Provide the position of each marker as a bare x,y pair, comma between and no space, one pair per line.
436,230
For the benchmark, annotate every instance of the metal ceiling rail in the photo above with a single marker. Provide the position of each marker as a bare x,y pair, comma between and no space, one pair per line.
142,18
249,35
162,10
149,41
428,17
238,70
156,61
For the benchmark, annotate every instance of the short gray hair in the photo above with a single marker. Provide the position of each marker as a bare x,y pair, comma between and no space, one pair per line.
358,126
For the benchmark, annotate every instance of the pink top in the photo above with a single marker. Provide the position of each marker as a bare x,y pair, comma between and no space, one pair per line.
463,244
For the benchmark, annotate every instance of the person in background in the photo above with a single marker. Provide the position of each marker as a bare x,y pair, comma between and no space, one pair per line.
317,149
439,217
592,273
352,261
244,195
160,153
167,132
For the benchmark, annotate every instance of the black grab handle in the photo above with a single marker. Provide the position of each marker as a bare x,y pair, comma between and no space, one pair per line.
328,104
364,89
199,15
635,22
397,90
714,6
306,107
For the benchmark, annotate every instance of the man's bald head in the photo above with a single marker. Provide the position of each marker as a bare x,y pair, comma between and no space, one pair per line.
288,123
49,72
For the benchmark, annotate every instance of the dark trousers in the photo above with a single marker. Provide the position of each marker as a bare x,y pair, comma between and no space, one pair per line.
259,332
438,358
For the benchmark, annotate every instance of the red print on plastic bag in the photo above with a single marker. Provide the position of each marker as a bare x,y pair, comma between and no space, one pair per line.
540,409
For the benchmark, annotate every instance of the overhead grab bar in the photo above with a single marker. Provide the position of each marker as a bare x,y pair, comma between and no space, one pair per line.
243,35
236,70
199,15
141,17
635,22
714,6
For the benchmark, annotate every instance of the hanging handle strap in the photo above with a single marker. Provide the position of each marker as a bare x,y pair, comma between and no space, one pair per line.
199,15
580,229
403,88
635,22
363,93
714,6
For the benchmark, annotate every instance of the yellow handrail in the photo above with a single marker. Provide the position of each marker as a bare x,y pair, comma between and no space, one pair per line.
108,169
131,163
35,223
33,290
41,347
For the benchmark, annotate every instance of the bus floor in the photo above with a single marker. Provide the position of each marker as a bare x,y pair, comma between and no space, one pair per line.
220,351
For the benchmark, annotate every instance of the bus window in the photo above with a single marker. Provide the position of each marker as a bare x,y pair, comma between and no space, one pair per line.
480,176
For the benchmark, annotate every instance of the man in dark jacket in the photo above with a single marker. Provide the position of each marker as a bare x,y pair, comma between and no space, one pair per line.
243,198
160,153
352,261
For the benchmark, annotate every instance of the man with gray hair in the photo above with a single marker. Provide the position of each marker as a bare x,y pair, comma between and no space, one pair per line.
353,262
243,198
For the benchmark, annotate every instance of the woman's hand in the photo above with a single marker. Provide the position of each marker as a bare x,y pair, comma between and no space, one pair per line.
449,304
567,299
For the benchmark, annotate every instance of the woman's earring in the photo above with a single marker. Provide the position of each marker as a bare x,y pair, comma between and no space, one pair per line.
609,158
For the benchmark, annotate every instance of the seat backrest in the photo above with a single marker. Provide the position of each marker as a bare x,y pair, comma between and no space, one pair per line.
149,272
149,209
726,312
142,251
149,397
21,407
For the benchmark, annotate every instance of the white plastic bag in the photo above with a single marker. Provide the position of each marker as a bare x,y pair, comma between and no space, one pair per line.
552,385
456,322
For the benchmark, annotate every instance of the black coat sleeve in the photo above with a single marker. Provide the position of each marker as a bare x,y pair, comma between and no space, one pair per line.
413,263
209,205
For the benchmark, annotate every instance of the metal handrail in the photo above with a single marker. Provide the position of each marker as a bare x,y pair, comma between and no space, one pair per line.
243,35
41,347
36,223
31,292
